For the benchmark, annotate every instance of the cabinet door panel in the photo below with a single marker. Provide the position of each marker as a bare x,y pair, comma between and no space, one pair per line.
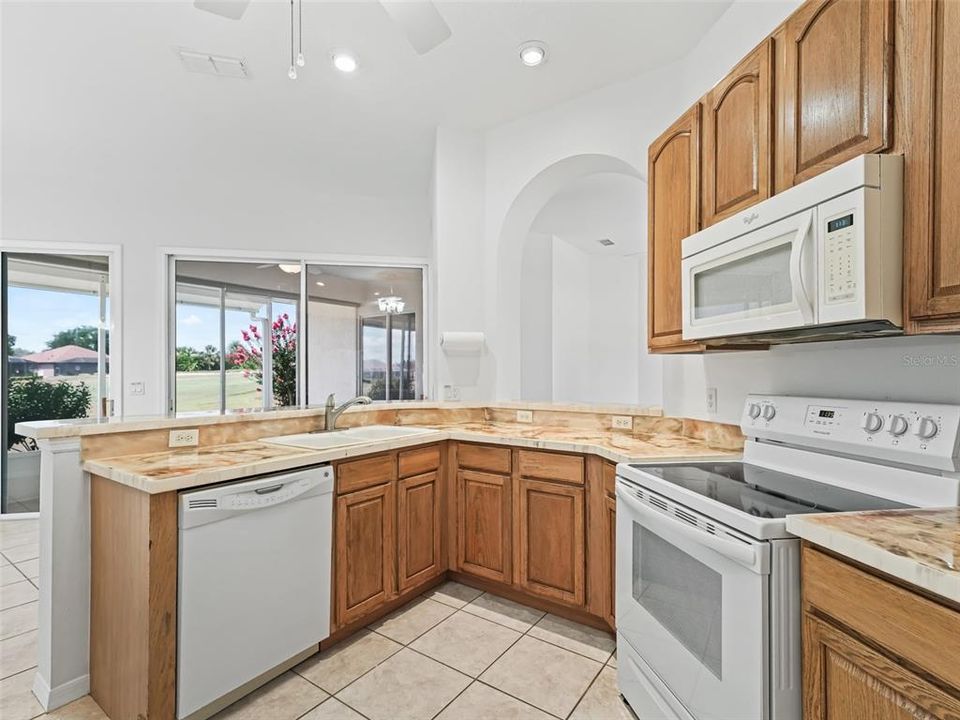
932,205
673,214
484,524
836,85
844,678
550,530
737,125
364,551
418,529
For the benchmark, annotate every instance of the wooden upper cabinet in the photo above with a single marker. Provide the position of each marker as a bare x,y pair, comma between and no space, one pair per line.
551,542
673,214
737,130
932,203
418,529
836,88
484,524
365,553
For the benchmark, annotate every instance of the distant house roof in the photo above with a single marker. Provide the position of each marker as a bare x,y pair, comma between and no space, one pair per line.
65,354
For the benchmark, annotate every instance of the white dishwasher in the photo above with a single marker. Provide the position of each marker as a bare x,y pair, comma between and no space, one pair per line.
254,582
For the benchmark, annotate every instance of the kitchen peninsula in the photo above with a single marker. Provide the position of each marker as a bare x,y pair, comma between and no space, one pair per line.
477,496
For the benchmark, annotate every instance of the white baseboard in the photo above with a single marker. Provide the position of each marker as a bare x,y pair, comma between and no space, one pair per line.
67,692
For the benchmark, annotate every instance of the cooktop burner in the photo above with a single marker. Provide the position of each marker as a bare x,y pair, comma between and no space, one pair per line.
762,492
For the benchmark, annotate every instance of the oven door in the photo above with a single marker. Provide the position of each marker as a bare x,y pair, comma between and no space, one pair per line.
694,605
759,282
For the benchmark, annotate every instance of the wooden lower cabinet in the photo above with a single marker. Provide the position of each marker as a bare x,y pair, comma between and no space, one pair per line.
550,537
873,648
610,558
845,678
484,515
364,554
418,530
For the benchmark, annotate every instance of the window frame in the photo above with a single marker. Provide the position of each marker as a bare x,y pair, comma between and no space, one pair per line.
170,256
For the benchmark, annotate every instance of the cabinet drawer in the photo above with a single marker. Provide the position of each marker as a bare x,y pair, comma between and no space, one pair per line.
551,466
484,457
366,472
419,460
906,625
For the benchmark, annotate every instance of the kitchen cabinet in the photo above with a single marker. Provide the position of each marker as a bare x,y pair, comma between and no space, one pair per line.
836,88
365,553
549,527
484,524
610,556
737,137
418,529
931,90
673,176
872,648
601,539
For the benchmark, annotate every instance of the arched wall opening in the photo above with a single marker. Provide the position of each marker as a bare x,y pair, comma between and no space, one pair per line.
560,292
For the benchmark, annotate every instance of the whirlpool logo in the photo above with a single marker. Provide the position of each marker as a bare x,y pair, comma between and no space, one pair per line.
747,219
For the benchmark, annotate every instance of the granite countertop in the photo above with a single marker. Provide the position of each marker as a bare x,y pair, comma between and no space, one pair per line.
181,469
920,546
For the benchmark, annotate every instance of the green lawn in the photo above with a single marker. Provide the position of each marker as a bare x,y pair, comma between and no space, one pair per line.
197,391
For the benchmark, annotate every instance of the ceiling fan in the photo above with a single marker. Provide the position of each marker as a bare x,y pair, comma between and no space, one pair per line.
420,21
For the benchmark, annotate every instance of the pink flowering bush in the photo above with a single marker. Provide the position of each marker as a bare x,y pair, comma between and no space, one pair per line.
248,355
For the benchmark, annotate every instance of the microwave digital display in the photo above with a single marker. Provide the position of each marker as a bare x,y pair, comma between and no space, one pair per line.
840,223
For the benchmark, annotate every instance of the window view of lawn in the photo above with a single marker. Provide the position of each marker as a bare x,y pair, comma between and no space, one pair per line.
200,390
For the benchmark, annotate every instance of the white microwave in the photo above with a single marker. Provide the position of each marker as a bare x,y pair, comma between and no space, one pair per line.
820,260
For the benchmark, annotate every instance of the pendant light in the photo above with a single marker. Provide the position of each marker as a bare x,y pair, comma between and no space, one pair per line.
296,38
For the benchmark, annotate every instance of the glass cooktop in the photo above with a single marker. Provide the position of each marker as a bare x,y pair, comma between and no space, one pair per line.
762,492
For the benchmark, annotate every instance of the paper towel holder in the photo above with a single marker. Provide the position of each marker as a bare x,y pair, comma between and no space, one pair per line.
462,343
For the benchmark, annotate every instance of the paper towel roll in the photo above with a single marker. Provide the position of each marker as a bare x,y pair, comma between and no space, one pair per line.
462,343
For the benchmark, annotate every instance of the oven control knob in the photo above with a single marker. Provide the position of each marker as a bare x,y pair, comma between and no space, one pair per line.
872,422
768,412
898,425
754,410
926,428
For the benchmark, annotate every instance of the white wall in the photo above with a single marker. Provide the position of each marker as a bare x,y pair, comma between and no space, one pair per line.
572,371
536,328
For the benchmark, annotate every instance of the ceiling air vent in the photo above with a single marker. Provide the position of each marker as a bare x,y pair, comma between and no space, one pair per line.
209,64
606,242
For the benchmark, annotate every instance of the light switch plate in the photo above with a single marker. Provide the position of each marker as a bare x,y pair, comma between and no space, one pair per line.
525,416
185,438
136,388
622,422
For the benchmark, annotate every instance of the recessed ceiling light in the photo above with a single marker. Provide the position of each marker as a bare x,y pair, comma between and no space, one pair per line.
533,53
345,61
321,283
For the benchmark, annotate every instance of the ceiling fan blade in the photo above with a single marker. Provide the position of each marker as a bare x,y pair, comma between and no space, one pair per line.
421,21
233,9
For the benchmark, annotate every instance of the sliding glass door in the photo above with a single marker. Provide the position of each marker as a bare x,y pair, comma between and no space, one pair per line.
55,355
388,356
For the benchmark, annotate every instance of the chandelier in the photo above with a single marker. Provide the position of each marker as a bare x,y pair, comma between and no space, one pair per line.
391,305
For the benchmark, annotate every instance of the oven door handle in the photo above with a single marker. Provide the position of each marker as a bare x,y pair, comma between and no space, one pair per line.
659,523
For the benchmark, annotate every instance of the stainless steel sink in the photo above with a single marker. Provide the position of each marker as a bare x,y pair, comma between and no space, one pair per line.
350,436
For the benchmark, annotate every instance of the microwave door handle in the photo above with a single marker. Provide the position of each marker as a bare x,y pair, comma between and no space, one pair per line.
656,521
796,269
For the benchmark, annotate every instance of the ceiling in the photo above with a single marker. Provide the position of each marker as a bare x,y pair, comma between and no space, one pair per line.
98,84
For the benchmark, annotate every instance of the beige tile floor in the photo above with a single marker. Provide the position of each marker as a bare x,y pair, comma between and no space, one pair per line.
453,654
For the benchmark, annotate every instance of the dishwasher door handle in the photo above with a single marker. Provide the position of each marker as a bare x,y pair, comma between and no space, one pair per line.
269,489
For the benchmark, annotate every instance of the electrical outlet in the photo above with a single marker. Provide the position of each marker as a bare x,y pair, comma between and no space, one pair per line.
136,388
451,393
525,416
185,438
712,400
622,422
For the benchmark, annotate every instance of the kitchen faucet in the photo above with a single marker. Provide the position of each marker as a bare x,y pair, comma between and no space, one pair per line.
332,412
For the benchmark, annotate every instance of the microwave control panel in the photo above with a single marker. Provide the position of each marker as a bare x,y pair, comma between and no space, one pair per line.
840,254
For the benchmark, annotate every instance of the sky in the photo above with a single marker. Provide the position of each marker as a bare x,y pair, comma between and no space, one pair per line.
34,316
199,325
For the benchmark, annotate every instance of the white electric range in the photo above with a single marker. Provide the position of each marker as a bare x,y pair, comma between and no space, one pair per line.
708,578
